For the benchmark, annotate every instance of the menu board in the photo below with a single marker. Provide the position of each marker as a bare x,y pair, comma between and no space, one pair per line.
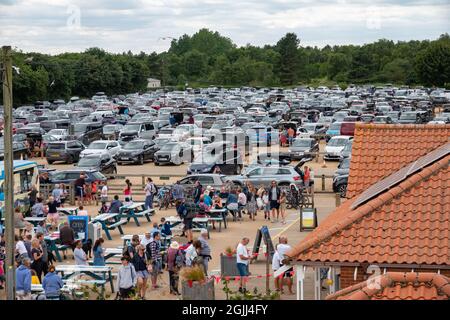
79,224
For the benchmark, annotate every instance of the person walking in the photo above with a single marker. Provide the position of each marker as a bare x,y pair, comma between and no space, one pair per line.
187,219
242,260
153,251
274,199
80,189
23,280
150,191
67,235
99,255
283,248
307,179
52,284
205,251
266,203
175,261
126,278
291,135
139,262
104,193
252,207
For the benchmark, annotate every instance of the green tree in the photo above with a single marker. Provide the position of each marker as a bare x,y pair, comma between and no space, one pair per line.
433,64
287,47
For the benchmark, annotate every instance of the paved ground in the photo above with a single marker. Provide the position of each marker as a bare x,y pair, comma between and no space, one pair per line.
324,203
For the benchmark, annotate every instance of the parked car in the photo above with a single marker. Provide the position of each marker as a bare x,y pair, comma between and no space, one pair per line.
66,151
102,146
174,153
229,162
69,176
20,150
335,146
340,184
88,132
347,151
137,151
333,130
111,131
262,175
301,146
383,119
139,129
101,162
214,180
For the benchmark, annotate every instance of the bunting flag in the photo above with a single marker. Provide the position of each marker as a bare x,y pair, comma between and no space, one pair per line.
190,283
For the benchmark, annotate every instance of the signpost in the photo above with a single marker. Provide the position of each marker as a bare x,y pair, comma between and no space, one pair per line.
308,219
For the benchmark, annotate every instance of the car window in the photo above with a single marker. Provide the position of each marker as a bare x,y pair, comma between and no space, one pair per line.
283,171
205,180
72,175
270,171
255,172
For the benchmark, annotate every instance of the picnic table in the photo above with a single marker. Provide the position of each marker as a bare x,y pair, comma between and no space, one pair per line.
219,215
68,211
35,220
198,223
99,275
135,211
110,221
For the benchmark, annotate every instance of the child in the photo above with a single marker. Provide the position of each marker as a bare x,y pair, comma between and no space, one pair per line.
165,227
265,199
34,277
127,201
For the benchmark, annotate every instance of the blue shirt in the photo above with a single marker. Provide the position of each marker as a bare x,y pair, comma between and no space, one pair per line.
52,284
99,260
207,200
23,279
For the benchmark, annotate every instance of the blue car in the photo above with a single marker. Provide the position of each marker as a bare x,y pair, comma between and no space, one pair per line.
333,130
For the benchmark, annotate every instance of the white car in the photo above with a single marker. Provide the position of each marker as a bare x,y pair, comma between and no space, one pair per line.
58,133
184,131
302,133
102,146
335,146
198,143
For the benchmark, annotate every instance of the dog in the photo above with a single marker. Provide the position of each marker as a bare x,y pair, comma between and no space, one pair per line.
87,248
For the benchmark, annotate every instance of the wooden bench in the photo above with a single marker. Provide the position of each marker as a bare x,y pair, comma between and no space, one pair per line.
117,225
217,219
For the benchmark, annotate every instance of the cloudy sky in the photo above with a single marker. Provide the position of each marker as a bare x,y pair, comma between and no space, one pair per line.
55,26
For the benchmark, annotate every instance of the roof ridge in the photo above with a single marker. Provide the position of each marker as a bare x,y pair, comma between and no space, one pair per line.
370,206
389,279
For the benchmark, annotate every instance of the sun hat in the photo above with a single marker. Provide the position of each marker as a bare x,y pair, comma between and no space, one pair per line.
175,245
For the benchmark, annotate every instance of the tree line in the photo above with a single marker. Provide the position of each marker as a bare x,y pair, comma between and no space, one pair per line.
208,58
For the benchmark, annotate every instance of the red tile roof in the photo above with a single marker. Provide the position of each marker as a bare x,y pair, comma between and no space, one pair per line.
407,224
398,286
379,150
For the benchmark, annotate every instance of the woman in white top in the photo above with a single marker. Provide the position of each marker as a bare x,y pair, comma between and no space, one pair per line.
80,255
192,252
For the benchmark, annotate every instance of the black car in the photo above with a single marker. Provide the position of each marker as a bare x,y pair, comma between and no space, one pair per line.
137,151
69,176
66,151
102,162
340,184
229,162
20,150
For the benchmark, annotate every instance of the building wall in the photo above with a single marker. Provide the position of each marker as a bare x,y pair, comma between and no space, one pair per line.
347,273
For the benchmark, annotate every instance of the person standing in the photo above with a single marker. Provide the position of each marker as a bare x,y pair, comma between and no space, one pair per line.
80,188
275,267
99,255
192,252
57,193
291,135
205,251
242,260
104,193
36,253
252,207
52,284
79,254
32,195
140,266
282,249
150,191
126,278
23,280
266,203
306,178
187,219
197,191
274,199
127,191
40,237
178,192
242,202
153,251
67,235
175,261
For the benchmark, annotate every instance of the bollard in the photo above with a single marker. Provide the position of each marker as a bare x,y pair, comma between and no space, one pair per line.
338,199
143,181
323,182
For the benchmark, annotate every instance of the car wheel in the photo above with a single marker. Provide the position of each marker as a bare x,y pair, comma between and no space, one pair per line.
342,190
50,161
156,163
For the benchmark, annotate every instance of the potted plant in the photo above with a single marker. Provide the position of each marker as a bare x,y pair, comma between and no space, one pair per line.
228,265
195,285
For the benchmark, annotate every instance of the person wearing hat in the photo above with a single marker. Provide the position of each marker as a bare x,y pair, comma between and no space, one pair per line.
175,261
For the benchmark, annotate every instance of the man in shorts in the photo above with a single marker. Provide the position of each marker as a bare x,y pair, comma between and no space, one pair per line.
282,249
126,278
153,250
243,258
274,200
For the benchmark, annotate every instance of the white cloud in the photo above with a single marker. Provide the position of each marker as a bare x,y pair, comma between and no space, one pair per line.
136,25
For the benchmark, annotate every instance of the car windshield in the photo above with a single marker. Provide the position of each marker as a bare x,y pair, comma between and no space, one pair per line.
348,146
408,116
97,145
89,162
310,127
80,127
132,127
98,176
335,126
302,143
168,147
337,142
161,141
133,145
166,131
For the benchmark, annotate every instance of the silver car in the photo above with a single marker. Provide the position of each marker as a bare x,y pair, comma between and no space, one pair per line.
175,153
284,176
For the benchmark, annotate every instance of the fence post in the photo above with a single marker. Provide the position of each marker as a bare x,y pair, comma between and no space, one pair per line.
323,182
143,181
338,199
72,194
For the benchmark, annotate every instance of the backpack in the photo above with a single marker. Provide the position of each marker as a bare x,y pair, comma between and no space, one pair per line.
156,189
191,210
180,259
